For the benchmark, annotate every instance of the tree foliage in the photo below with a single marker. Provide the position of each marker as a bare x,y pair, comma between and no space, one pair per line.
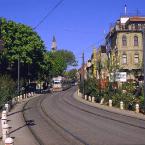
72,74
59,61
68,57
91,88
7,89
58,64
20,42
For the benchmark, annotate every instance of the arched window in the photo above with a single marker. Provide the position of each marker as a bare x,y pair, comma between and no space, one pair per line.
135,41
124,40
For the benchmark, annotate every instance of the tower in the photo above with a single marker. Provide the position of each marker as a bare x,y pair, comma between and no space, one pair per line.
53,46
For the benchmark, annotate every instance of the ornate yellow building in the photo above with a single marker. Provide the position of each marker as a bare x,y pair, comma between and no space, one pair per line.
96,67
124,44
94,59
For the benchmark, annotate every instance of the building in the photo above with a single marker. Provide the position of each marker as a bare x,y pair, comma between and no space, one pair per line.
124,44
54,45
97,65
102,63
94,64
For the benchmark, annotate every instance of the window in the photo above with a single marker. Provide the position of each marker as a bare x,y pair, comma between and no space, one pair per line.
136,58
124,40
124,59
135,41
136,26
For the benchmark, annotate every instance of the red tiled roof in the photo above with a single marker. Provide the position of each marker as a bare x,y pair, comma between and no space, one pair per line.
137,19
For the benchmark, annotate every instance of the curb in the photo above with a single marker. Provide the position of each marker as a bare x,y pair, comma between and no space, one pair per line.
110,109
21,102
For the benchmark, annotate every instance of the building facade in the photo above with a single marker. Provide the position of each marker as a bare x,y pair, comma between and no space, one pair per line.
124,44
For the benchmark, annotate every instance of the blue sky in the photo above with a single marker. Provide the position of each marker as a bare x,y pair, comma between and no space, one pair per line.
77,24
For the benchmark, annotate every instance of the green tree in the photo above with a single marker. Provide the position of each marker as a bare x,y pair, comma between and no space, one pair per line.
72,74
68,57
57,63
20,42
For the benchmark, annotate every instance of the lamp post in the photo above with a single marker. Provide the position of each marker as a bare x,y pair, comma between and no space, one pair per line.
18,75
144,63
83,73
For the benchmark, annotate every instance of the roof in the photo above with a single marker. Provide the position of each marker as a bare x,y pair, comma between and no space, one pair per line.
137,19
53,40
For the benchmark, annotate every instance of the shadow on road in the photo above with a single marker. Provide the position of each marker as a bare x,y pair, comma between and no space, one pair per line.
20,111
28,123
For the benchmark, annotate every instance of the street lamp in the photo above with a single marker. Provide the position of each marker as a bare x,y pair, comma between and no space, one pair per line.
144,63
18,76
83,73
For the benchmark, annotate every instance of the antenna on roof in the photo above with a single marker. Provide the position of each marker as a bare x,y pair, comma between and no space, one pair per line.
125,10
137,12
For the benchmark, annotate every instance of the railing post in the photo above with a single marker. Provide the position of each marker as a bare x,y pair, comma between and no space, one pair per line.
86,97
5,131
93,99
9,141
3,121
110,103
4,113
121,105
137,108
7,107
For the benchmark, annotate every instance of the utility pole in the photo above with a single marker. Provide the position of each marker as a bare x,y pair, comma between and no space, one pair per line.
144,63
18,76
83,72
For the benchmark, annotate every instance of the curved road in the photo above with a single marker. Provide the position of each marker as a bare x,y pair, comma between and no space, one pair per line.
59,119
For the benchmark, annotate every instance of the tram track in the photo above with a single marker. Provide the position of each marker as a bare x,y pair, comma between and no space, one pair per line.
103,116
61,127
54,125
68,136
39,141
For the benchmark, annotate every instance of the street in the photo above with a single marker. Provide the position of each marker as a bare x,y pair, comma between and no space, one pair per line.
72,73
59,119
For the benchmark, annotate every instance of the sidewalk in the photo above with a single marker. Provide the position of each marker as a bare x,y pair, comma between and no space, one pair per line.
110,109
19,131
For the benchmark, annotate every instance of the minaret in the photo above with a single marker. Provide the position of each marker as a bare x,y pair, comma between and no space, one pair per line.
125,10
53,46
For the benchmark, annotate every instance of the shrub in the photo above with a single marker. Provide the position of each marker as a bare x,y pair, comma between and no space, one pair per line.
91,88
129,87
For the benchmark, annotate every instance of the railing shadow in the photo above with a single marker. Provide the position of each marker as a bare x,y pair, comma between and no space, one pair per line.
27,123
20,111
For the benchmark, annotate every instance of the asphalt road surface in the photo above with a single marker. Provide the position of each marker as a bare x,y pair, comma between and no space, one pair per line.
59,119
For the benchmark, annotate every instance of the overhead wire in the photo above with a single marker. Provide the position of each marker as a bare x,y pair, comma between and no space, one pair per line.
50,12
77,31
